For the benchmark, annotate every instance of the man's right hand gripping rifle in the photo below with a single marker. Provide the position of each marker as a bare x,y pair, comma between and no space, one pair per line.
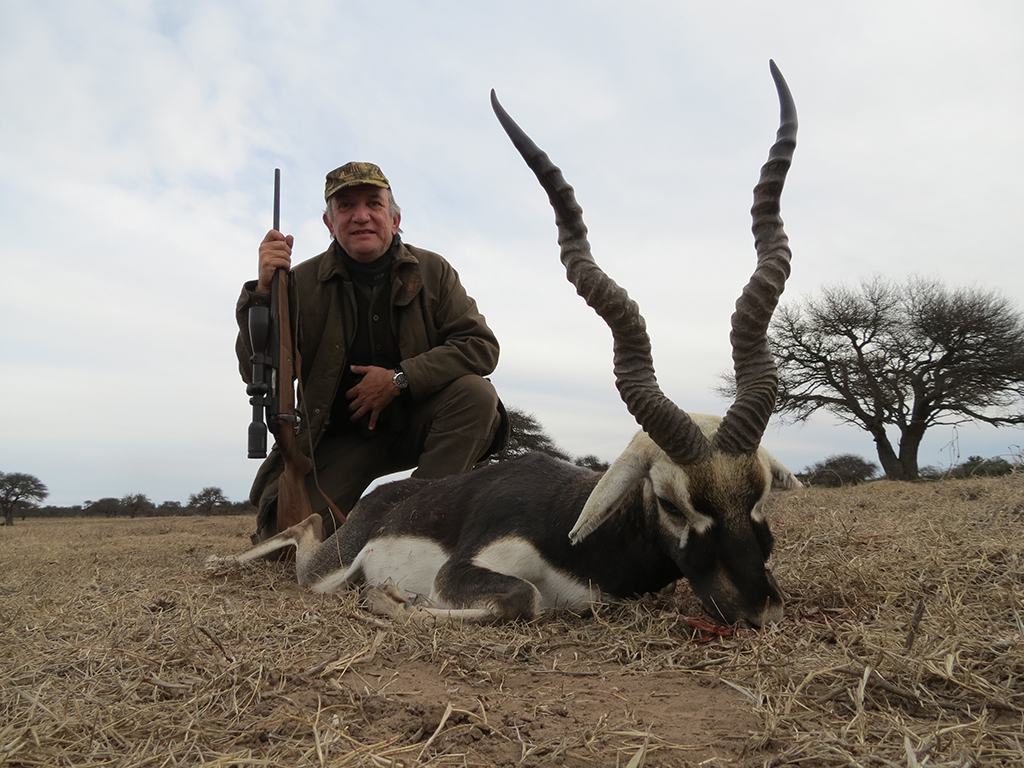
275,254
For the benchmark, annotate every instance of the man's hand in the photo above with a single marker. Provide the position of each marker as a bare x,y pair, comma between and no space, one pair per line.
373,394
275,253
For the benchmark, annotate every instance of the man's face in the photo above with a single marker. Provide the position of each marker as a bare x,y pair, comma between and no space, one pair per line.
360,220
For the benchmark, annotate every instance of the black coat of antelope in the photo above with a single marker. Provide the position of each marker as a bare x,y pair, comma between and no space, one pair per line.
685,499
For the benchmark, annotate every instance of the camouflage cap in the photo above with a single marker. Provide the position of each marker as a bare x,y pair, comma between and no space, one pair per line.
352,174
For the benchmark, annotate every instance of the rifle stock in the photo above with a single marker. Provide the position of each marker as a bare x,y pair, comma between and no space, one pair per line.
292,498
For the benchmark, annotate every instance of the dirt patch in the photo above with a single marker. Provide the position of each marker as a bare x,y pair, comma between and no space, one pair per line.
902,645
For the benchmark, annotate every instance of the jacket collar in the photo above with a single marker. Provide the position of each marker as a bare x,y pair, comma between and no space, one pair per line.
406,280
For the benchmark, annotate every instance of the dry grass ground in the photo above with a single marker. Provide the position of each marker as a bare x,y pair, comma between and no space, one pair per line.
903,646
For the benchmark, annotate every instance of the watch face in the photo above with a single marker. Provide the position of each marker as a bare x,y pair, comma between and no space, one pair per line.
400,381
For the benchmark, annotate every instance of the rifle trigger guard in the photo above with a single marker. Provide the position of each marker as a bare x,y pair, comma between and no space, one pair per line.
295,418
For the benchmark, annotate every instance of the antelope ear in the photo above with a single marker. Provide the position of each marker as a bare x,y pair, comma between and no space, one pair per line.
630,469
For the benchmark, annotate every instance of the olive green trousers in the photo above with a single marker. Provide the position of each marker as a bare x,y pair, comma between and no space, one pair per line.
445,434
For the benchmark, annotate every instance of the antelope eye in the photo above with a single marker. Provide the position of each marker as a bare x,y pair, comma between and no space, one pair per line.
670,508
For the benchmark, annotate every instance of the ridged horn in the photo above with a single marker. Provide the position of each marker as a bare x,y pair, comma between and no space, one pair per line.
670,427
757,379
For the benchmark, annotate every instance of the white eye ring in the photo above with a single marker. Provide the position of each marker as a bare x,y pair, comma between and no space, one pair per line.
670,508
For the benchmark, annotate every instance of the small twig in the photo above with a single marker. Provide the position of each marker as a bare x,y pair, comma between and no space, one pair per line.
707,663
344,663
914,622
154,680
215,641
831,695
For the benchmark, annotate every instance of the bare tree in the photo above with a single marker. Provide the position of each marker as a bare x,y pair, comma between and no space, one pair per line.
908,356
17,488
208,500
526,434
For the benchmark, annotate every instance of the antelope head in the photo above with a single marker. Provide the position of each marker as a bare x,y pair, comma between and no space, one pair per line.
704,480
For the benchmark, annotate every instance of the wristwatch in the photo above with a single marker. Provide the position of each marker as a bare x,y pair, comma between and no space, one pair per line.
399,380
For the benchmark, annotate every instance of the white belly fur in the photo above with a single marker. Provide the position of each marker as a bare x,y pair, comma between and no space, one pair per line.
407,562
411,563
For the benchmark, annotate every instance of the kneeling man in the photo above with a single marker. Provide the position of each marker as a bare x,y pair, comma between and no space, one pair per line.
393,354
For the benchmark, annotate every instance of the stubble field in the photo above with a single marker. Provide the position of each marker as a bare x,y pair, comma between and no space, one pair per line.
903,645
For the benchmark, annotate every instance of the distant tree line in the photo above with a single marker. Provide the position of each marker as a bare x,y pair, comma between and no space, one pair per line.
976,466
20,493
849,469
209,501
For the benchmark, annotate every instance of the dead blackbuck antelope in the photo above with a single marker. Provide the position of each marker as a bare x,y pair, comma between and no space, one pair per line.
685,498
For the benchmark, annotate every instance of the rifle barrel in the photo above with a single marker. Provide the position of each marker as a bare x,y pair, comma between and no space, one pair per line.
277,199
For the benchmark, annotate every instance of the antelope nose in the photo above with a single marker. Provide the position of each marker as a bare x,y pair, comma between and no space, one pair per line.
772,614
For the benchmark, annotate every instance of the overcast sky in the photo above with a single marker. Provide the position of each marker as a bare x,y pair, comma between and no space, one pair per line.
138,141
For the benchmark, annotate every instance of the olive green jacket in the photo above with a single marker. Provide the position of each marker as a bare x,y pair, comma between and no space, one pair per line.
441,333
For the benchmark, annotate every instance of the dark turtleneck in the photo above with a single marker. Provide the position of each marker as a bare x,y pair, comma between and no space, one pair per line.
374,273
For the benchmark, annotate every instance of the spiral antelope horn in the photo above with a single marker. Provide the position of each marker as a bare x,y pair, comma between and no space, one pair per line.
669,426
757,379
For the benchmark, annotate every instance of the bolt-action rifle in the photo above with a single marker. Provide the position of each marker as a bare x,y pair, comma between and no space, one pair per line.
272,391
